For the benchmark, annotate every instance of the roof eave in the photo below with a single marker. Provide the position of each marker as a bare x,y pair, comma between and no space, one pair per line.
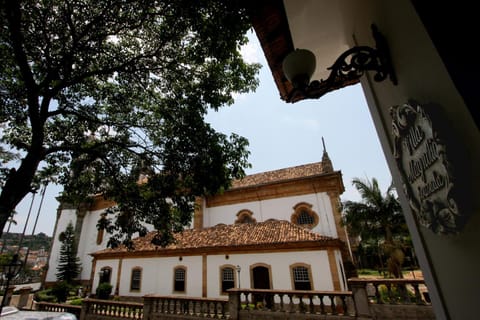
270,22
313,245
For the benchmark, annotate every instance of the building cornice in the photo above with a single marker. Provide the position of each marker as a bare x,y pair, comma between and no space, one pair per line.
325,182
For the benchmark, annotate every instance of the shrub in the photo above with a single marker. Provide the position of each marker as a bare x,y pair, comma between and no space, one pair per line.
104,290
61,291
396,294
44,295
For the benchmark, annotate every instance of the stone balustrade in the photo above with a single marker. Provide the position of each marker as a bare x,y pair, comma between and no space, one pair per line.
368,299
96,309
391,299
58,307
244,301
166,307
393,291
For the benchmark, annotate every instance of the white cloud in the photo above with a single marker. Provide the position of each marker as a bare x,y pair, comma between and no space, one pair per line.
251,51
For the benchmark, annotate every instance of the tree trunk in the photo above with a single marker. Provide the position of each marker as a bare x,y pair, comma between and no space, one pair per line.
17,186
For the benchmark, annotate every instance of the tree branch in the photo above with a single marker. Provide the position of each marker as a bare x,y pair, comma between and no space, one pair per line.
14,17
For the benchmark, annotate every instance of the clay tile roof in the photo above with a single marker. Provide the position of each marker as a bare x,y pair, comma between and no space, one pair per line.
270,232
302,171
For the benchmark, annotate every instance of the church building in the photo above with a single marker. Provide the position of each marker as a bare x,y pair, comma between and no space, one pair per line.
276,230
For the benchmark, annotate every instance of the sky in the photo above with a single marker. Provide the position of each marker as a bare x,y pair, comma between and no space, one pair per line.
280,135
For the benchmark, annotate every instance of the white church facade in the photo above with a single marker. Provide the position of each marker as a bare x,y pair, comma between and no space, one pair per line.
276,230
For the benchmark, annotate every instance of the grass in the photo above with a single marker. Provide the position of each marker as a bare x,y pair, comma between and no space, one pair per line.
368,272
378,273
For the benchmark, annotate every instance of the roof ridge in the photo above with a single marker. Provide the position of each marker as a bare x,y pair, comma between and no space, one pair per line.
295,172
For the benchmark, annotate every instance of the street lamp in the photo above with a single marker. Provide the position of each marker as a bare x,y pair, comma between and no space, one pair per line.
238,272
9,271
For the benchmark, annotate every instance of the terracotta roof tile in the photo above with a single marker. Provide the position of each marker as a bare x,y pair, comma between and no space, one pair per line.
270,232
302,171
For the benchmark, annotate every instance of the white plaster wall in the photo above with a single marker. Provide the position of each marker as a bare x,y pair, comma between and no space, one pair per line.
280,269
228,214
86,245
88,241
280,209
150,267
157,275
66,216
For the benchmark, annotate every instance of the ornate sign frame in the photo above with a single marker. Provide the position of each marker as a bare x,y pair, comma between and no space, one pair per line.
422,161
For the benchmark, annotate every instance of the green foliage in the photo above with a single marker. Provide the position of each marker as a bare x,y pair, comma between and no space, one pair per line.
5,258
45,295
93,95
68,267
379,222
104,290
61,291
76,302
368,272
377,216
396,294
33,242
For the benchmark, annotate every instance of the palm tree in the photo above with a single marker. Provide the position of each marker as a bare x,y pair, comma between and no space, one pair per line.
11,220
377,218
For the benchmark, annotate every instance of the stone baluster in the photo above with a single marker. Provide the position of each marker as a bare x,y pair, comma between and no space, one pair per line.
281,304
360,299
333,306
418,296
234,303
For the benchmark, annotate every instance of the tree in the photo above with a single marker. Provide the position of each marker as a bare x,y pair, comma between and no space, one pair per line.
95,93
68,268
377,218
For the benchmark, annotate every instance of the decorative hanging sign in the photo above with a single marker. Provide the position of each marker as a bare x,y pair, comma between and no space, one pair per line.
422,160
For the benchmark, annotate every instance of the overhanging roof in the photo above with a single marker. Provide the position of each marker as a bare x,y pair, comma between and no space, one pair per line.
322,26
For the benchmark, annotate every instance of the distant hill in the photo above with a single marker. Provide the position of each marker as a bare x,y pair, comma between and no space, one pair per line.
35,242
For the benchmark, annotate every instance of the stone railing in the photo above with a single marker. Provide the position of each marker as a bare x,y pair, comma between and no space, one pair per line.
391,298
171,307
368,299
393,291
57,307
95,309
259,304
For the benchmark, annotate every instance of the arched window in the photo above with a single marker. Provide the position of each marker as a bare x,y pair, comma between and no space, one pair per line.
179,275
105,275
245,216
304,216
136,279
301,277
227,278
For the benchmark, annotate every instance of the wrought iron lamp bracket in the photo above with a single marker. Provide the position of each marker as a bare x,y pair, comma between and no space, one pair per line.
350,66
